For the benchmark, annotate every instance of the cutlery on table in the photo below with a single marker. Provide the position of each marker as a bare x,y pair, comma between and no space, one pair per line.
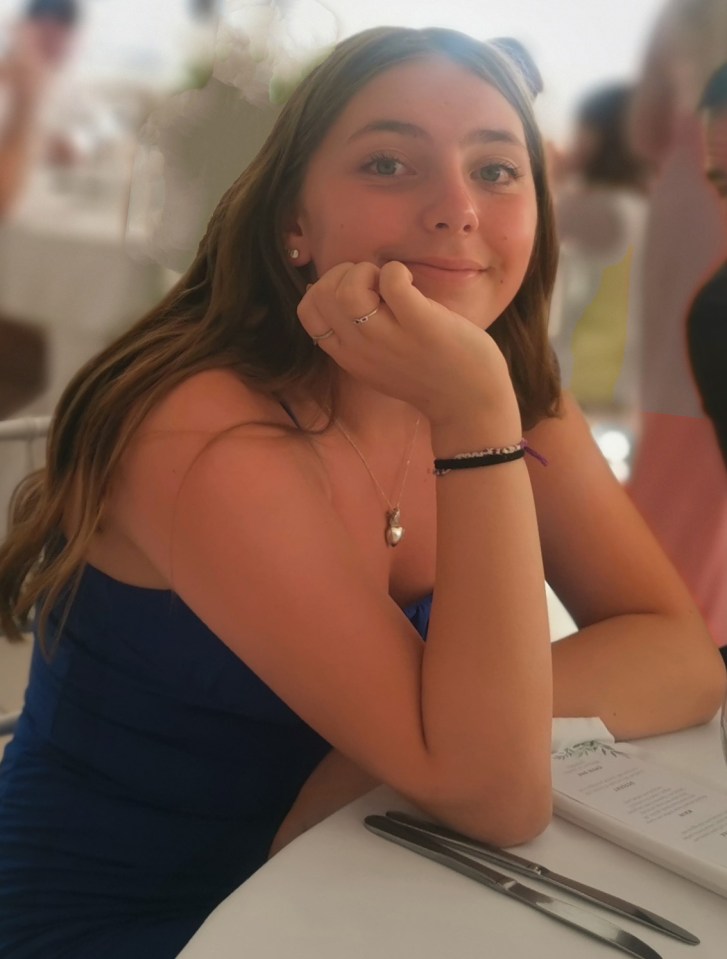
573,916
526,867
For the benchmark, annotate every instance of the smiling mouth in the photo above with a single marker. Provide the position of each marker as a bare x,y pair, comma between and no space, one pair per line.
452,270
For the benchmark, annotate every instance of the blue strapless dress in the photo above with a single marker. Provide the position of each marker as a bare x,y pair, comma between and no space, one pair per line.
148,775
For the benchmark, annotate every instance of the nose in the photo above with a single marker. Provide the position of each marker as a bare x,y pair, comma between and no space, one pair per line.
451,208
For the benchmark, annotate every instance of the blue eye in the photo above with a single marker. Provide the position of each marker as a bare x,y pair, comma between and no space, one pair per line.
497,173
384,165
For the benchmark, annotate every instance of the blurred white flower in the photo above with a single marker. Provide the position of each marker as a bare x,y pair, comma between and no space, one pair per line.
262,47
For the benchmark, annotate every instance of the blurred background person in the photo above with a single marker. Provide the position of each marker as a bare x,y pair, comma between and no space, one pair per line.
678,480
599,191
40,44
707,320
523,60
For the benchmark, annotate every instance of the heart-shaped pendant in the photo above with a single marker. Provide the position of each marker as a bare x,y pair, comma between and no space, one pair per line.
394,530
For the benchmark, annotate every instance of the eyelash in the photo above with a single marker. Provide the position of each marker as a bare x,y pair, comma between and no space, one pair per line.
379,158
511,171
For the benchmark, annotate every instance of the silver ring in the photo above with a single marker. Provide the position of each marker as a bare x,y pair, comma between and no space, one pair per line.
322,336
359,320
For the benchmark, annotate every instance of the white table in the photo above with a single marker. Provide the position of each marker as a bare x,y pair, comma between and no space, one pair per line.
66,266
70,271
340,892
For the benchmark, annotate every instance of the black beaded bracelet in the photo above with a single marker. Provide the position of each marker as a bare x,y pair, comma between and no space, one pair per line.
487,457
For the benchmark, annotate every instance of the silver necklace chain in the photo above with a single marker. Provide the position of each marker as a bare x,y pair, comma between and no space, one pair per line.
394,531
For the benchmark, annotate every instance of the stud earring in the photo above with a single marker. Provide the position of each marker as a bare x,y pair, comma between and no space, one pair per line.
293,254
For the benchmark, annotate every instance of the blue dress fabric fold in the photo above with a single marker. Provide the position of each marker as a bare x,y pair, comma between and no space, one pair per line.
148,775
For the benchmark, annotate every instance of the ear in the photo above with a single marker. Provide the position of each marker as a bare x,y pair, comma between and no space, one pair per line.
294,239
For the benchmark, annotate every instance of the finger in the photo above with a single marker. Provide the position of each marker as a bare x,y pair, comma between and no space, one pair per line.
312,319
357,290
323,293
314,307
397,290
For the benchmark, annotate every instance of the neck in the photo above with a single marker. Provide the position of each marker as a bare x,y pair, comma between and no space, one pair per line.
364,412
369,413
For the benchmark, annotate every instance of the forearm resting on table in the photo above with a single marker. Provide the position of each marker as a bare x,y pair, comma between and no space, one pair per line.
335,782
634,672
640,674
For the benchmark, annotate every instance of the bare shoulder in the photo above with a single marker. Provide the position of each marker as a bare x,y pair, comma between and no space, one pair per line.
211,439
213,400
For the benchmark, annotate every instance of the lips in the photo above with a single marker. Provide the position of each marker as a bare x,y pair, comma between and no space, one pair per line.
445,263
445,269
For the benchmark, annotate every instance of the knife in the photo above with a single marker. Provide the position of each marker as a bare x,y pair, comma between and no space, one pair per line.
527,868
579,919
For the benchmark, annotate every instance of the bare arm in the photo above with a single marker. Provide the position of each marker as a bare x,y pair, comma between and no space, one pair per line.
642,659
426,720
23,75
654,106
15,150
335,782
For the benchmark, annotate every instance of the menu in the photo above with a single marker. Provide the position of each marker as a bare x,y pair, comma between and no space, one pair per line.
660,813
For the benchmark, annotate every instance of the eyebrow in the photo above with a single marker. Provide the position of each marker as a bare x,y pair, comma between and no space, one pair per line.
485,135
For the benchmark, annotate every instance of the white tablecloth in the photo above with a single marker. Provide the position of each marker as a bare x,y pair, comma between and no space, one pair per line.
65,267
340,892
70,272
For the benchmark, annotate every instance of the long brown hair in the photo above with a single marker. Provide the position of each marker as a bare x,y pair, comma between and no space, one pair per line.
236,308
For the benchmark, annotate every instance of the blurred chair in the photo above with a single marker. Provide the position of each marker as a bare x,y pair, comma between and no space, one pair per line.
22,450
7,724
24,429
20,442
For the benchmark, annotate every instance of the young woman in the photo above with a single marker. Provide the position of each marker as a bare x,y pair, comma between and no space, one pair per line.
240,529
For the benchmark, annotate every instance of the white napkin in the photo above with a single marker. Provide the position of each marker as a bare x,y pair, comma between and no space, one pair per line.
581,729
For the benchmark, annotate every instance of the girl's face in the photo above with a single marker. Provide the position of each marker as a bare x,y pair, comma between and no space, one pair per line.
426,165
